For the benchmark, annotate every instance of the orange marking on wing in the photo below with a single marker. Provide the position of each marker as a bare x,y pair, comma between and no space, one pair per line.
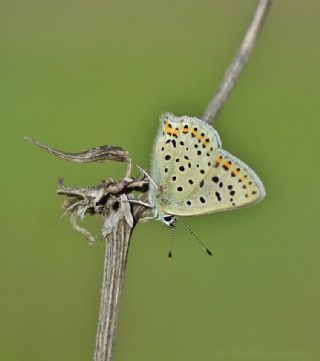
175,132
185,129
234,172
168,127
218,160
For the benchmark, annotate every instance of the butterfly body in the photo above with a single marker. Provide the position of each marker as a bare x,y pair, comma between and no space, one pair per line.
193,175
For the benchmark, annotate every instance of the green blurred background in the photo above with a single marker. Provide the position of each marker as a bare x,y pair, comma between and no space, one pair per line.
77,74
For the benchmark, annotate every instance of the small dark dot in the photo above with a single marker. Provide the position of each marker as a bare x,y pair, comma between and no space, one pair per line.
231,199
174,178
233,204
177,128
244,186
215,179
229,162
168,141
211,149
174,143
207,140
162,149
177,160
186,157
233,174
240,180
246,175
254,192
220,184
208,154
250,183
238,169
246,195
167,157
179,189
169,125
198,166
181,168
202,200
199,152
232,193
209,164
181,143
220,156
230,186
187,149
195,129
196,145
203,146
190,181
186,126
189,165
218,196
165,170
202,171
188,203
175,135
202,134
201,184
225,167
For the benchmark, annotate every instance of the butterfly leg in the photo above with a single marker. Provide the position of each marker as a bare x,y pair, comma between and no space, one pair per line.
140,203
146,219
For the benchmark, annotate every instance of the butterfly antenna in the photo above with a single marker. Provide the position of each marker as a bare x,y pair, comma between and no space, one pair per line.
173,233
202,245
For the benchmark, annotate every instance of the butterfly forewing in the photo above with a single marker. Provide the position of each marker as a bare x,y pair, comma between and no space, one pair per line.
178,141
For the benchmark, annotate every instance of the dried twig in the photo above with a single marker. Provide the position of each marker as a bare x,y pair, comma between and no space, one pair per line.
112,199
97,154
235,68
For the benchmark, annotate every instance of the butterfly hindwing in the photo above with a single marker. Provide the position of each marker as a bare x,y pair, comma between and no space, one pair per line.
228,184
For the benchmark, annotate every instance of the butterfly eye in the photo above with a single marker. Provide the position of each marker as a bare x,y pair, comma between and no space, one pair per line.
169,220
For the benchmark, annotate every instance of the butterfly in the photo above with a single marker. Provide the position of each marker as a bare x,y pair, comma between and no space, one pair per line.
192,175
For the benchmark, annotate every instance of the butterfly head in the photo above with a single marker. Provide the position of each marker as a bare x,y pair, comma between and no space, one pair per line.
169,220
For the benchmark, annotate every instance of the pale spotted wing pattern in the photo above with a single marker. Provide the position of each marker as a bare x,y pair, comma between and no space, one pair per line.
173,152
194,175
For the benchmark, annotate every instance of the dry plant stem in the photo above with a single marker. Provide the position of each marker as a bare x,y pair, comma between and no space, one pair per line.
235,68
111,200
113,276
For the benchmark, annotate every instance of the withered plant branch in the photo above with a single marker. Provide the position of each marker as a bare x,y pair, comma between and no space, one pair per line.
235,68
97,154
112,199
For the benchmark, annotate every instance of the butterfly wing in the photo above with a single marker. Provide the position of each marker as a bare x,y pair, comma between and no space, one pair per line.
227,184
194,175
178,139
